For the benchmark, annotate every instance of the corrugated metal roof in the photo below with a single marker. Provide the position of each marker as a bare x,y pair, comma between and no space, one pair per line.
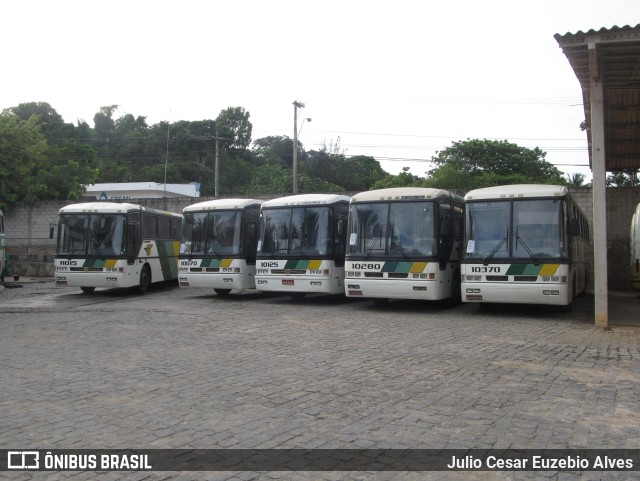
613,56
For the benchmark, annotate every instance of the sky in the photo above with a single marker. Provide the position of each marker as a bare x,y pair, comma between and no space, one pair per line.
398,81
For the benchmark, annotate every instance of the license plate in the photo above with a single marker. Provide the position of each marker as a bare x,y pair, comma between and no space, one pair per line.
287,282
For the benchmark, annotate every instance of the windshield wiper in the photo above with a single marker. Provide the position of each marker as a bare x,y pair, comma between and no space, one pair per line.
495,249
401,250
211,250
375,239
526,247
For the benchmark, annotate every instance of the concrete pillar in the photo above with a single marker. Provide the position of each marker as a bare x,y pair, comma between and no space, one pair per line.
599,193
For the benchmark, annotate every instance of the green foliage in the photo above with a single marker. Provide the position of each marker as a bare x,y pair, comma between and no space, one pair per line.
277,149
234,124
270,179
42,157
625,178
478,163
576,180
403,179
354,174
22,156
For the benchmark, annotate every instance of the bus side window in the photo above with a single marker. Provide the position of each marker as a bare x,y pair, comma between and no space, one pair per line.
575,227
131,243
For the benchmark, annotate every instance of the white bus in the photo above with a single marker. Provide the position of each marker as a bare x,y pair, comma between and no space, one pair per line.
302,244
102,244
218,248
524,244
404,243
634,247
2,247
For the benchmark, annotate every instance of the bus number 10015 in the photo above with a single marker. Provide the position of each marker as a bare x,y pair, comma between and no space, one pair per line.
485,269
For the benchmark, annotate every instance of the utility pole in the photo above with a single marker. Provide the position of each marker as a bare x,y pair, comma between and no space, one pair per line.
296,105
216,167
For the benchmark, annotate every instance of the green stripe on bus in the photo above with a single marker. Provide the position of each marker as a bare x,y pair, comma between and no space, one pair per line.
400,266
167,260
210,263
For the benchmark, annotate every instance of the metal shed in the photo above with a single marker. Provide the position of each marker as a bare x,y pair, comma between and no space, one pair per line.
607,64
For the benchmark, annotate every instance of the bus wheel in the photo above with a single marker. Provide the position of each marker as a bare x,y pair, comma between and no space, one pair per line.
87,290
145,280
222,292
381,301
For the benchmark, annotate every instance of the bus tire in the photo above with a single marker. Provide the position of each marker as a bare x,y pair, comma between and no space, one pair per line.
145,280
88,290
222,292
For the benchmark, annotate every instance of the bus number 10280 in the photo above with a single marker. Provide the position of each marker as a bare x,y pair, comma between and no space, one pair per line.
485,269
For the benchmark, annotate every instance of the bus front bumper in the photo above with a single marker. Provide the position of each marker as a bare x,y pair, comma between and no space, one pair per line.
394,289
319,284
97,279
216,280
550,294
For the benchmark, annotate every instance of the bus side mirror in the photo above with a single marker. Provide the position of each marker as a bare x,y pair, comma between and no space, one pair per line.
574,227
340,226
52,229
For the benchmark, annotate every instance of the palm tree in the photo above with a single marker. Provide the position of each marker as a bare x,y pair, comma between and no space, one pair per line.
576,180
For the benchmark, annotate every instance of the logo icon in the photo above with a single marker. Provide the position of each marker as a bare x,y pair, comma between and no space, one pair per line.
23,460
148,248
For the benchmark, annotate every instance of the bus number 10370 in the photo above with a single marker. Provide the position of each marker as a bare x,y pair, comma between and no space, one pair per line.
485,269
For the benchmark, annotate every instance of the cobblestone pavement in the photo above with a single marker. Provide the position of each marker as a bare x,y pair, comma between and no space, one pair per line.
184,368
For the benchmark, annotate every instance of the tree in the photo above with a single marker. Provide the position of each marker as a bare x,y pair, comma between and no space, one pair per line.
354,174
275,149
22,156
624,178
403,179
576,180
234,124
478,163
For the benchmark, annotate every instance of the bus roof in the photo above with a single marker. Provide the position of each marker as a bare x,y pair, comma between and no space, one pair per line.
517,191
109,208
306,199
401,193
226,204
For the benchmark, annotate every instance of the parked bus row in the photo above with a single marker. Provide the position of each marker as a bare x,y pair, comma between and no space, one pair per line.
507,244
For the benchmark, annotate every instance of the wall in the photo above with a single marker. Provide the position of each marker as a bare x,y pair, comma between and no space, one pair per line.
31,249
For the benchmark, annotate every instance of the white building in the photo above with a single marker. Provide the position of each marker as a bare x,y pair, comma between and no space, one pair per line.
141,190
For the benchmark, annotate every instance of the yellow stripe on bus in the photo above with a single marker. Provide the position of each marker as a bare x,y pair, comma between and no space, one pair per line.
548,269
110,263
417,267
314,264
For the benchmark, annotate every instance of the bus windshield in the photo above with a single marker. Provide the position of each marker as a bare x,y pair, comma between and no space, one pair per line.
94,234
522,229
212,233
299,231
403,229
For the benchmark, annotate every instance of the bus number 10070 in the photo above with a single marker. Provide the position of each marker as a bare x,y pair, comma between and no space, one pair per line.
485,269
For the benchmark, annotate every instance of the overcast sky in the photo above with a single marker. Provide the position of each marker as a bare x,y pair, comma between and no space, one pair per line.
394,80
